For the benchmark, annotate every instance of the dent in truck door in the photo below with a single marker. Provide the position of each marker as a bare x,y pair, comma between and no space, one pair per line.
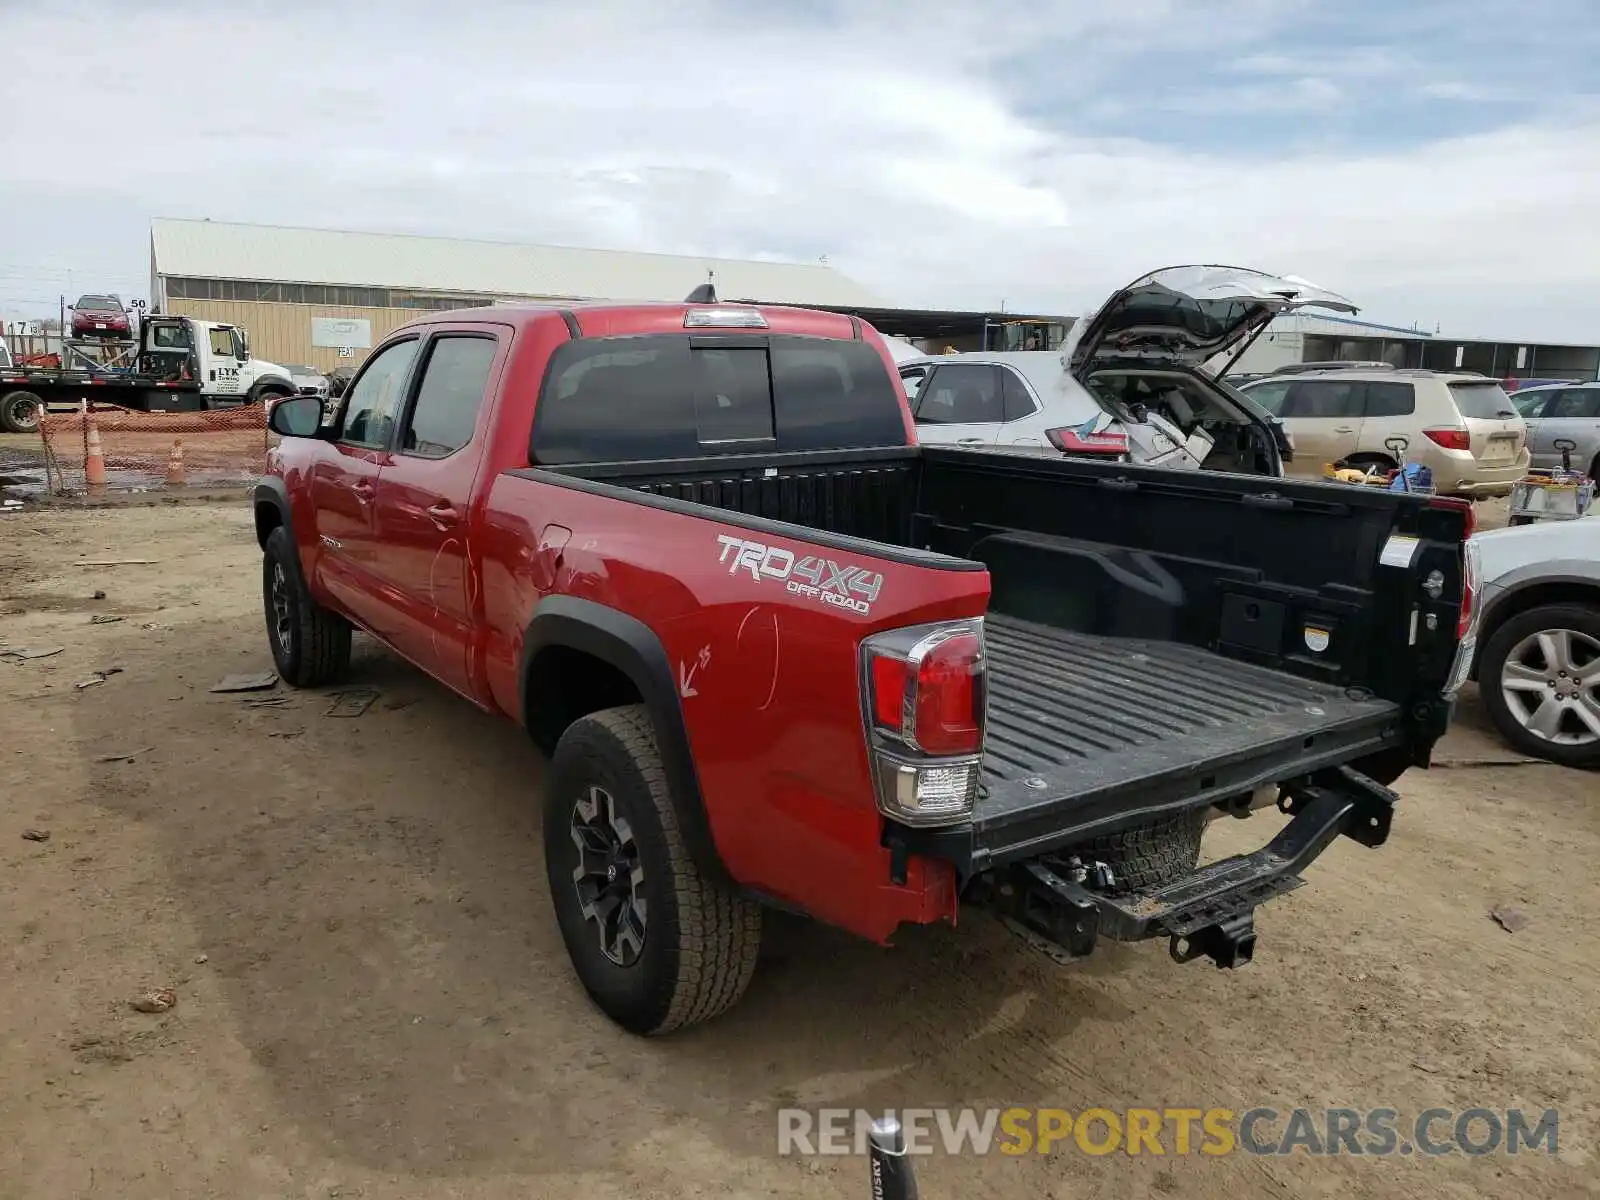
421,561
344,482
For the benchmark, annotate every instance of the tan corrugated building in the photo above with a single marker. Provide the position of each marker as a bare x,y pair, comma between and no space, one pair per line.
323,297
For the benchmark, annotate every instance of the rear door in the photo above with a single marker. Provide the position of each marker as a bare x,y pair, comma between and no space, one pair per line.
422,533
961,404
1496,431
1573,415
1325,416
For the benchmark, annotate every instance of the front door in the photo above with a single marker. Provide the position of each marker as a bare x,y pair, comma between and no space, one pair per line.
960,405
422,532
344,483
221,374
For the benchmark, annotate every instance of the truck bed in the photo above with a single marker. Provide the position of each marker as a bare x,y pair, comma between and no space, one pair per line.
1127,726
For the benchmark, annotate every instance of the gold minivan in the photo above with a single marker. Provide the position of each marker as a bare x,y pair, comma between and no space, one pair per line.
1462,427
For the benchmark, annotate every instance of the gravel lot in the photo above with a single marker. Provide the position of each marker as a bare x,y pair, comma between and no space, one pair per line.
372,999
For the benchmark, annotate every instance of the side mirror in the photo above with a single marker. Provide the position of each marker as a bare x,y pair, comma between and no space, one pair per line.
298,416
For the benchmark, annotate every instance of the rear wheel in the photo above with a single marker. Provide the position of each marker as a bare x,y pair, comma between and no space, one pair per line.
19,412
656,944
1540,681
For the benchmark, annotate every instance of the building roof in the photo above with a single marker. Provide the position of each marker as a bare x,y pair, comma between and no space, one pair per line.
219,250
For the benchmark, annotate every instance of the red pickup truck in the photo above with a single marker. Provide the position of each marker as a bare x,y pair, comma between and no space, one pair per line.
781,655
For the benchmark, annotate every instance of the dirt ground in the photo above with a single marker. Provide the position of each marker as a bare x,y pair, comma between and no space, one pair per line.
372,998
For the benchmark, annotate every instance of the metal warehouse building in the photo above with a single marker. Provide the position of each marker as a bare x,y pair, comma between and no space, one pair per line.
324,297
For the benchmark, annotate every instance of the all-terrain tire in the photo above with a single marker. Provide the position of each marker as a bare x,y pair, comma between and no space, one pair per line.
20,412
310,645
1149,855
1583,618
701,937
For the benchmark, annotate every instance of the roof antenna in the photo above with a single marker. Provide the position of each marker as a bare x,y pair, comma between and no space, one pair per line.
706,293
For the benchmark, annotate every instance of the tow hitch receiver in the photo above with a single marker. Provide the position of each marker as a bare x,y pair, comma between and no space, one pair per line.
1211,912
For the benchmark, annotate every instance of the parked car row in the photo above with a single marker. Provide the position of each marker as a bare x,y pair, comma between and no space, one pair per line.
1129,384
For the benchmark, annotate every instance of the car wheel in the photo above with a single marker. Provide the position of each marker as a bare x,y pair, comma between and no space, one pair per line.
310,645
1540,681
19,412
655,943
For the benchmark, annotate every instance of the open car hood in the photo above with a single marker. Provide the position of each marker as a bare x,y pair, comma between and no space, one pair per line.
1189,313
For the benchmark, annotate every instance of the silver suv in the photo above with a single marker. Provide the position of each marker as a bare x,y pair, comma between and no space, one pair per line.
1563,413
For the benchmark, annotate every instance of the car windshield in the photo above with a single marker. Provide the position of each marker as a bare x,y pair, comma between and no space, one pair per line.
99,303
1485,401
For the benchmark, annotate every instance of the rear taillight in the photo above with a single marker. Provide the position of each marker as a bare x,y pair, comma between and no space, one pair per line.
1074,441
1450,439
924,706
1469,591
1469,515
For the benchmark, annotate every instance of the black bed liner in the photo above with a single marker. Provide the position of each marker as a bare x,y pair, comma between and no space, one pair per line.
1086,733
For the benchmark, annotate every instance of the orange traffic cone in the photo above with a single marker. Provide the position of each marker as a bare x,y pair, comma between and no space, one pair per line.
94,457
175,464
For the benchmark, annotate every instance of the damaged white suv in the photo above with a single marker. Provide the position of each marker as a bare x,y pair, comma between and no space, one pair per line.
1130,383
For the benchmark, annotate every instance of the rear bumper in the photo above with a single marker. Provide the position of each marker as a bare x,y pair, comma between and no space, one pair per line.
1209,912
1463,475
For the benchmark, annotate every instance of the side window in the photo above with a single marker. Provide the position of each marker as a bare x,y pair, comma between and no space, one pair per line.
1015,403
1577,402
449,397
913,378
1530,403
374,398
1270,395
222,342
1324,399
732,395
1391,399
959,394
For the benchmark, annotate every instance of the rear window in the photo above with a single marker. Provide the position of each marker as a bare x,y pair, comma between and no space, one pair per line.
672,396
99,303
1486,401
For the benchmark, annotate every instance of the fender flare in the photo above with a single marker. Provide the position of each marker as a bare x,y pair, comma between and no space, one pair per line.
632,648
270,493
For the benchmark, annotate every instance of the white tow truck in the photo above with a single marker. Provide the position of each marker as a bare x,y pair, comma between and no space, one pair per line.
175,364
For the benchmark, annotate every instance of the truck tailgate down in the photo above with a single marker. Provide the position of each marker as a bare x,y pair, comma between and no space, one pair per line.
1086,733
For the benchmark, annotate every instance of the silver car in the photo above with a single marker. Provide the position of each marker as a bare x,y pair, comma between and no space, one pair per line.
1535,645
1133,382
1562,413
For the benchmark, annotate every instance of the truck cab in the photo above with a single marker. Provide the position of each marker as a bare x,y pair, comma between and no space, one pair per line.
213,354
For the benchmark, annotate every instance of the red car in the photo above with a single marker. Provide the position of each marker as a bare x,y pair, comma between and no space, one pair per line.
100,316
779,654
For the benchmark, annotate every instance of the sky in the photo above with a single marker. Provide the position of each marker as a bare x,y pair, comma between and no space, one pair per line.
1437,161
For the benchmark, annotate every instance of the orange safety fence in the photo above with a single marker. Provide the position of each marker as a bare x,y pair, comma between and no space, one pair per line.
119,449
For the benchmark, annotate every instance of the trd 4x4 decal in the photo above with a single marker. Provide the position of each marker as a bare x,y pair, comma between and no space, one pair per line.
840,585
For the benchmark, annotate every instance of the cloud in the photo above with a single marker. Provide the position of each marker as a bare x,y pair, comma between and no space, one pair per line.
941,156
